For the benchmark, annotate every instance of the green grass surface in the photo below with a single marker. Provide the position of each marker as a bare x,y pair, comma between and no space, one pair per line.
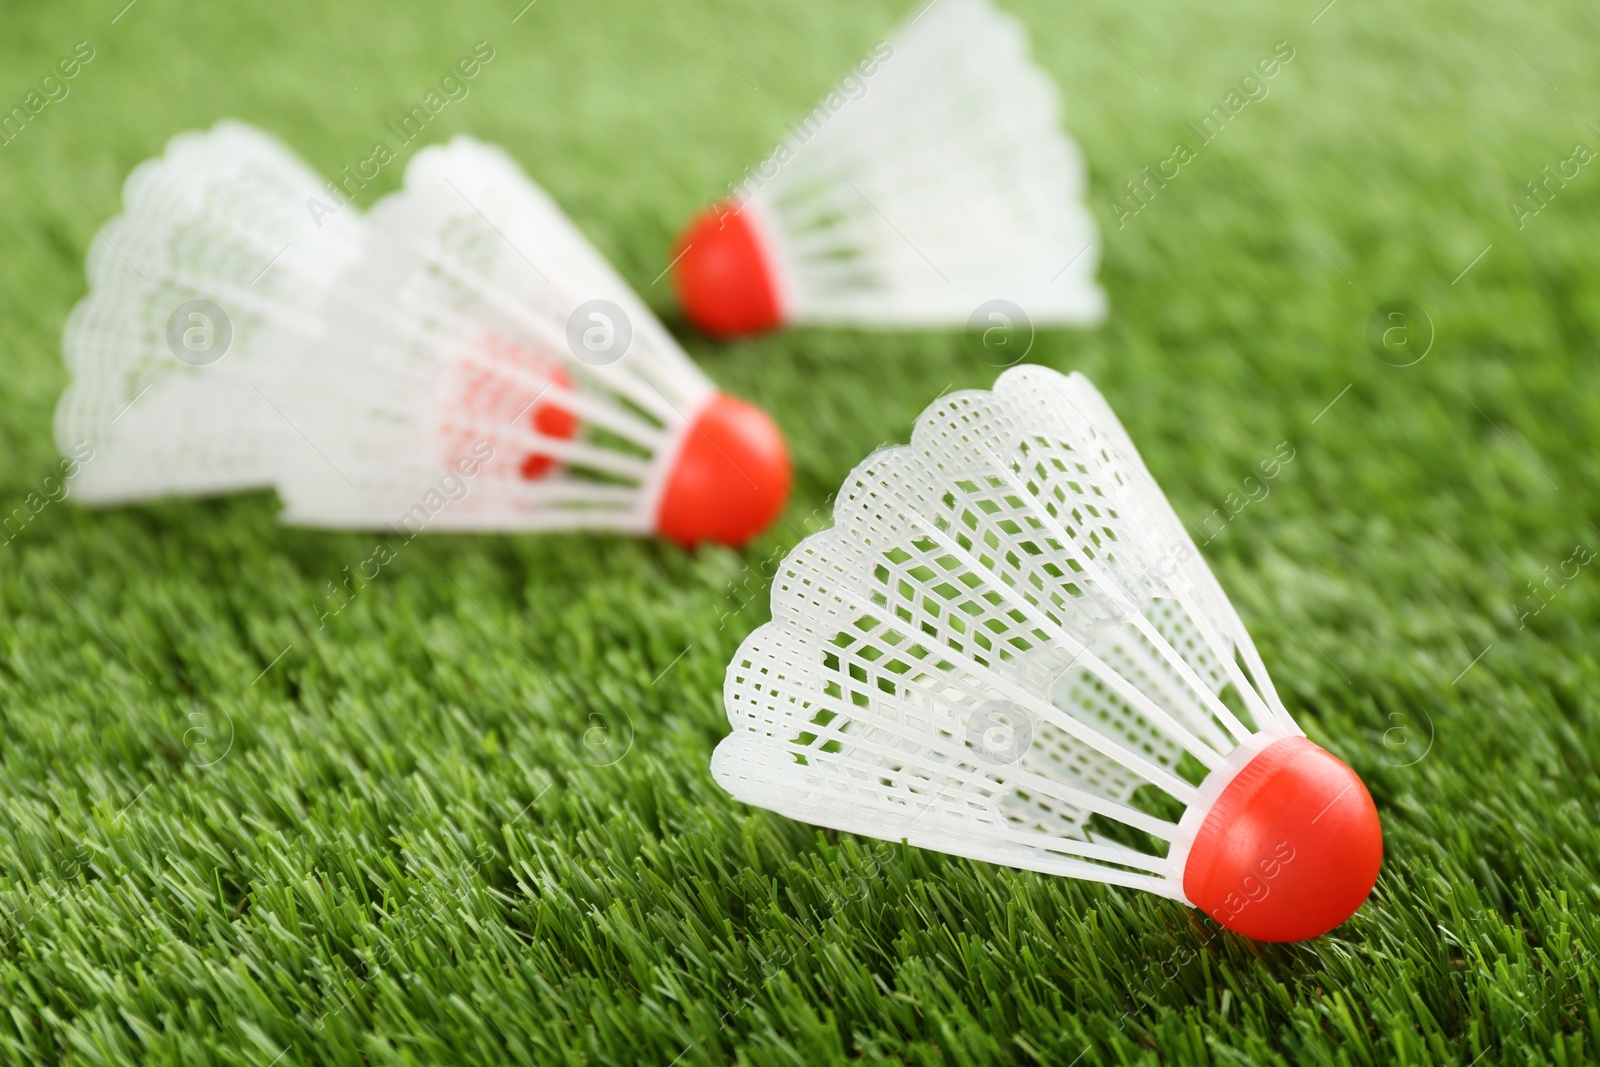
471,817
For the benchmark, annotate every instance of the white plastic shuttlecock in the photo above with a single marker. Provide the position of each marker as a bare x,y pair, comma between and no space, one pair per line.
1008,648
195,293
934,179
463,359
483,367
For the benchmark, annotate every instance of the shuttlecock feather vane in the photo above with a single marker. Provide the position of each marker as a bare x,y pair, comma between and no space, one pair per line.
1007,648
935,178
195,291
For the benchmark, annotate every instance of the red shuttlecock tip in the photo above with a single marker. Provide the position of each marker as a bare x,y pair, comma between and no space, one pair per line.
1290,849
731,479
724,282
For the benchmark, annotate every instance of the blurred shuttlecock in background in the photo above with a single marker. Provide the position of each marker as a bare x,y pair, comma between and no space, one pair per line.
481,338
196,292
935,177
1008,648
460,359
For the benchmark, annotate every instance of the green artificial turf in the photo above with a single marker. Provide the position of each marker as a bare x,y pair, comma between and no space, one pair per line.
470,817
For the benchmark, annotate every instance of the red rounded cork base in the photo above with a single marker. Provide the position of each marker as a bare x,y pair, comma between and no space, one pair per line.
723,280
731,479
1290,849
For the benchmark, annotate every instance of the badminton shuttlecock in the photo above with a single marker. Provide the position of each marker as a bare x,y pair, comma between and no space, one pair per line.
195,293
935,178
466,360
1007,648
482,367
